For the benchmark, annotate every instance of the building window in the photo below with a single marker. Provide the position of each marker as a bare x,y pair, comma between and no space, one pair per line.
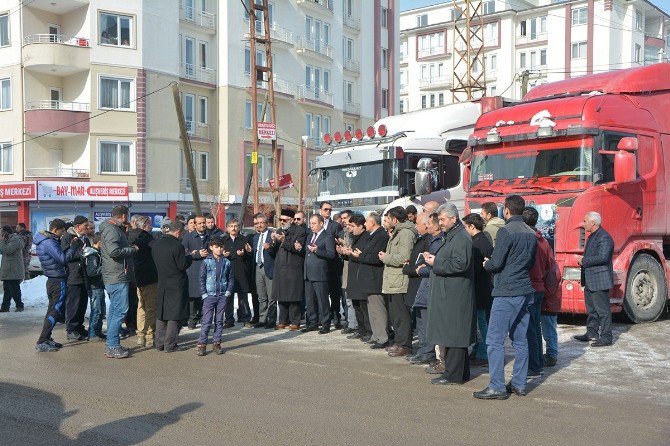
385,13
265,167
115,157
488,7
522,60
543,58
432,100
579,50
326,80
423,101
402,106
5,94
493,62
421,20
385,98
533,59
385,58
115,29
115,93
189,112
5,157
308,125
522,28
543,24
204,166
637,57
4,30
639,22
491,34
204,112
440,99
579,16
493,91
248,124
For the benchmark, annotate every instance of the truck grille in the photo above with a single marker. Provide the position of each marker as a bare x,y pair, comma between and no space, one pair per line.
582,237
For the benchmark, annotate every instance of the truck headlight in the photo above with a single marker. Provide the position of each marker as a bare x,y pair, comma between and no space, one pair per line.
572,273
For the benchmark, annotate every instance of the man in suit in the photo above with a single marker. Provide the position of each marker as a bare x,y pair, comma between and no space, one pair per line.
264,265
196,244
288,283
597,280
320,250
335,265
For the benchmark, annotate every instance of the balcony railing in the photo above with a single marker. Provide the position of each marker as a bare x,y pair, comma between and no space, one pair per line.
57,172
436,81
521,40
352,22
321,5
196,73
280,85
310,44
197,130
56,38
352,108
315,95
58,105
277,33
431,51
198,17
352,65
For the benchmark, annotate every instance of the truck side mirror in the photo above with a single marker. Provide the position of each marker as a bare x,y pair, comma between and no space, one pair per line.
466,176
625,169
423,182
628,143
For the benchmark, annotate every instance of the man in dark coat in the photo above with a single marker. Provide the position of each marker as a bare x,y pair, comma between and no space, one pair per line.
172,262
196,244
358,241
451,311
212,229
319,251
235,249
288,284
77,296
251,275
146,279
335,266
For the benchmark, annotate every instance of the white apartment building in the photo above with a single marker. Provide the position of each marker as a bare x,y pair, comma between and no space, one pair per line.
87,114
548,40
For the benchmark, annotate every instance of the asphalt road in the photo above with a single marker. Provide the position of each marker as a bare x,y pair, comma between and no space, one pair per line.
288,388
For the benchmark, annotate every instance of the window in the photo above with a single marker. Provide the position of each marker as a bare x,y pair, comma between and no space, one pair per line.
5,94
421,20
522,60
248,124
456,14
440,99
385,98
543,24
533,59
476,66
488,7
579,50
115,29
385,17
115,93
5,157
326,80
639,22
423,101
349,91
326,124
543,58
579,16
493,91
491,34
204,166
203,53
637,56
432,100
385,58
522,28
4,29
189,112
115,157
204,112
493,62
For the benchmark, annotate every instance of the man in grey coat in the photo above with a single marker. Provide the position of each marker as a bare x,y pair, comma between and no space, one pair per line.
116,274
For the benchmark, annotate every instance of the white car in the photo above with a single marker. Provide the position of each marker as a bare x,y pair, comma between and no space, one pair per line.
34,267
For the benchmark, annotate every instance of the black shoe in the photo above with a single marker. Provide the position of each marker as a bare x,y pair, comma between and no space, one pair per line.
73,336
549,361
354,336
324,330
260,325
349,330
534,374
5,310
440,381
601,343
19,309
515,390
338,326
178,348
230,325
82,331
160,349
377,345
117,352
269,326
491,394
583,338
365,339
191,326
310,328
421,360
53,343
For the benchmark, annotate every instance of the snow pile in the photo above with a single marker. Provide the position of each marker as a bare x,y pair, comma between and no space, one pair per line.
34,294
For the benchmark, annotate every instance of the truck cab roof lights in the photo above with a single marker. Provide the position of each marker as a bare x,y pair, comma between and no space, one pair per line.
327,139
359,134
371,132
492,136
338,137
347,136
382,130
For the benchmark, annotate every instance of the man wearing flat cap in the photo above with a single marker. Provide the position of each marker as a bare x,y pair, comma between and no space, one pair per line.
77,296
287,286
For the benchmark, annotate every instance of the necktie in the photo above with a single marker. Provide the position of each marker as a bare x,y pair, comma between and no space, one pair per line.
259,249
313,239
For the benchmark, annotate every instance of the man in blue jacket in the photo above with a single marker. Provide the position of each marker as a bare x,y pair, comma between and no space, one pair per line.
513,292
54,265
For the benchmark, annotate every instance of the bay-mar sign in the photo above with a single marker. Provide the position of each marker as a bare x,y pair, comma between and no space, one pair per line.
63,191
267,130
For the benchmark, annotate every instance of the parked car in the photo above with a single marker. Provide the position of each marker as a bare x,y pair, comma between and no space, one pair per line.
34,267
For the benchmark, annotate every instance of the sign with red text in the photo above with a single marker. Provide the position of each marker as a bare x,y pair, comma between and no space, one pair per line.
285,181
19,191
267,130
81,191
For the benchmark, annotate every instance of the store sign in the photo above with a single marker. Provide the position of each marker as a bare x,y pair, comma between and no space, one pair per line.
19,191
81,191
267,130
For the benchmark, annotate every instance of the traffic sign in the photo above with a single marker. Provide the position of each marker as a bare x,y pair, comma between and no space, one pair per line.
267,130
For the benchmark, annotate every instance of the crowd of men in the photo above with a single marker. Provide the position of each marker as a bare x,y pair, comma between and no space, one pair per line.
455,284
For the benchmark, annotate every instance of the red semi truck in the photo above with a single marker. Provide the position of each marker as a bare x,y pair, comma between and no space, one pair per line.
594,143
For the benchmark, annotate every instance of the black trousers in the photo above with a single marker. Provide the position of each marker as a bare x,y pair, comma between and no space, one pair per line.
166,334
243,308
289,312
362,317
335,293
599,314
12,290
317,307
57,293
195,310
75,308
401,318
254,305
131,315
456,365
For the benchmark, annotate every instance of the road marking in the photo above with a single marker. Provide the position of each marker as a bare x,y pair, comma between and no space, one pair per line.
378,375
563,403
290,361
246,355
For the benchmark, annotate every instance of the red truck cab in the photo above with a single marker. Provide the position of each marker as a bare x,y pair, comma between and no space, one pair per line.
593,143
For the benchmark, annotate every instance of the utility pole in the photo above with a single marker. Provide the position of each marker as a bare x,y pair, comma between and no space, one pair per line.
524,82
186,148
301,179
468,51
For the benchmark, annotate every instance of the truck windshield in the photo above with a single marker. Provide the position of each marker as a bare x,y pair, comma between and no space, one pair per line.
359,178
552,165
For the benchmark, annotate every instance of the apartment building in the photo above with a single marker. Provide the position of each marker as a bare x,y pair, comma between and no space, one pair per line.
546,40
87,116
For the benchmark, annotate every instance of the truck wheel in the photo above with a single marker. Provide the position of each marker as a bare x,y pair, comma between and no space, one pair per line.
646,290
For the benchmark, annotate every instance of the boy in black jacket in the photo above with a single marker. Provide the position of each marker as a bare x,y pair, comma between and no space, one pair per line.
93,275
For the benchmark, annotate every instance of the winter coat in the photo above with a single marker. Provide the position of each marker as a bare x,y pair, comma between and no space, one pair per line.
215,232
288,283
398,251
52,257
143,261
482,248
348,241
12,267
335,264
171,263
492,227
195,242
28,243
75,271
423,293
597,273
451,312
371,269
116,253
210,282
409,269
92,266
513,257
354,278
240,265
542,258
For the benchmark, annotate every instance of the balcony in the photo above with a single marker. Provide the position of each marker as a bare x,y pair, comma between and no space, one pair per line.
491,75
540,38
351,22
57,172
435,82
198,131
403,88
352,66
280,36
352,108
432,51
194,73
198,17
69,118
281,86
321,6
318,97
308,45
56,54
